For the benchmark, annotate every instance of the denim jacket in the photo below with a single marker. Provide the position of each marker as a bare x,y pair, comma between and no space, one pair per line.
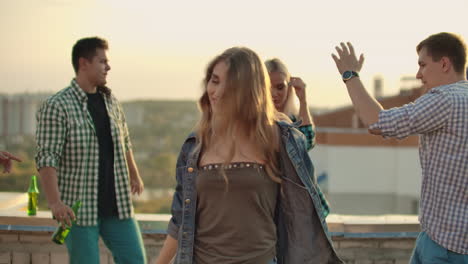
302,232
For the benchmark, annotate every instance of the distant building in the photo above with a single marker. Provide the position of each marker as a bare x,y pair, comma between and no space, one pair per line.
18,113
363,173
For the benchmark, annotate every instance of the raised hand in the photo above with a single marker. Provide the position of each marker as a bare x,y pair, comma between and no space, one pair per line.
299,86
346,59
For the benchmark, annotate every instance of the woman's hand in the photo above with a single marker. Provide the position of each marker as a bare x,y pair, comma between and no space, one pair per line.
299,86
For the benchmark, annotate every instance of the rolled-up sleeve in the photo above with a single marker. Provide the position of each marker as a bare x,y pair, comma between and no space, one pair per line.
174,223
177,206
176,210
429,113
50,135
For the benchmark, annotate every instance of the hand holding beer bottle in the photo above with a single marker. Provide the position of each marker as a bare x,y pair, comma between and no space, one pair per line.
63,229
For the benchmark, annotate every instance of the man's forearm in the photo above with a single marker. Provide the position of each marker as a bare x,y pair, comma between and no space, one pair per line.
132,167
50,184
366,107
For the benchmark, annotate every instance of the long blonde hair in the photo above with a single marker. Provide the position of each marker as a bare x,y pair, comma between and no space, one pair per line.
247,107
291,106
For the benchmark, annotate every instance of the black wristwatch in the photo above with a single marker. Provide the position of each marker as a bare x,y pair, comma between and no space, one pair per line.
348,75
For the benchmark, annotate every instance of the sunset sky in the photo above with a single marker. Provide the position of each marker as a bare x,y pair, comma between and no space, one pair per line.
159,49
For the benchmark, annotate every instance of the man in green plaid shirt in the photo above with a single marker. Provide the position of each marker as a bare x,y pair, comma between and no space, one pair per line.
84,153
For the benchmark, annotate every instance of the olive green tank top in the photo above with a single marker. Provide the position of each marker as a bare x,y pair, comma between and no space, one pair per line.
235,221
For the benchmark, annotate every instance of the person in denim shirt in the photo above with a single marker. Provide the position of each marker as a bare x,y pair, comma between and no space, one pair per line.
241,133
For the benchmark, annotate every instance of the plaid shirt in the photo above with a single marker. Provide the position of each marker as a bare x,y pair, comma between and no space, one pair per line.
66,140
441,118
308,132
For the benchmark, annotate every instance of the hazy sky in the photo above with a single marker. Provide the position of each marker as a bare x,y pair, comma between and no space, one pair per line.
159,49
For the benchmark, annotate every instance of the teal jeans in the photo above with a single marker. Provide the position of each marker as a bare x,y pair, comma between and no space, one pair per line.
429,252
122,237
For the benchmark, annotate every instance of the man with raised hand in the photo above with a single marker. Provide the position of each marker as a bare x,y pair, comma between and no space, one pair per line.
440,117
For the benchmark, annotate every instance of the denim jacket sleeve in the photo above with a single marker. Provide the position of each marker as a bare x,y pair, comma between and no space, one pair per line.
307,130
313,180
176,209
303,235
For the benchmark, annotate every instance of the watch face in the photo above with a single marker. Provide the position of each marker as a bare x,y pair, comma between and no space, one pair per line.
347,75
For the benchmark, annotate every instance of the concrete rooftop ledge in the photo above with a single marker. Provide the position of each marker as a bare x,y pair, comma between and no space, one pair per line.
19,221
378,239
374,226
339,225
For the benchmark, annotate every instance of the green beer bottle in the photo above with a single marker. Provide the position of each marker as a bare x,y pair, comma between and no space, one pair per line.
62,232
33,193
